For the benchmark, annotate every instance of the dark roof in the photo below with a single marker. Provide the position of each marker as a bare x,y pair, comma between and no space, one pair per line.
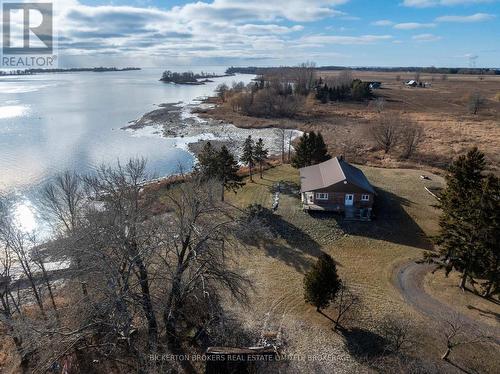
331,172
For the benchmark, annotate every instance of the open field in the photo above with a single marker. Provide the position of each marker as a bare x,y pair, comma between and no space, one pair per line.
441,109
367,254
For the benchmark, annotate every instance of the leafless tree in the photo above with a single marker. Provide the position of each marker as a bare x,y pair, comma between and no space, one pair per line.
196,253
137,267
305,78
386,133
221,91
444,77
344,78
379,104
475,102
417,76
397,333
346,304
61,203
124,217
411,136
282,133
458,332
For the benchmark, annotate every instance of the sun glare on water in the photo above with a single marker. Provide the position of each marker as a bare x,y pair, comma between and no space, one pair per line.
25,217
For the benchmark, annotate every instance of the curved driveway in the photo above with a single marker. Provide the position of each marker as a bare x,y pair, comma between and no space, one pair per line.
409,281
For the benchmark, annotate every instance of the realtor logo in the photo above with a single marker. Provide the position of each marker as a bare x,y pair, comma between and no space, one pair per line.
32,28
28,36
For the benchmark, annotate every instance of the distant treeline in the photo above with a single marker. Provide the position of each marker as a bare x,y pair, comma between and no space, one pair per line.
188,77
430,70
37,71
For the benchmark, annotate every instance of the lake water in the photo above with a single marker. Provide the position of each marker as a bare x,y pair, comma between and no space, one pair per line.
54,122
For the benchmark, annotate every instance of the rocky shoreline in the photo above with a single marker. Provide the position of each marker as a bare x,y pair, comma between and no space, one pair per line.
181,122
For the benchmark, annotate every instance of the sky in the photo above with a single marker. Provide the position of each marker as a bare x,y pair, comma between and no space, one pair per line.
451,33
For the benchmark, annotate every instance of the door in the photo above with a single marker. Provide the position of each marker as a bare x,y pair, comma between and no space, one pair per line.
349,199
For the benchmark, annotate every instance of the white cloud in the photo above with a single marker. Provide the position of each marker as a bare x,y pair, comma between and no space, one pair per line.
215,29
413,25
383,22
318,40
426,38
478,17
433,3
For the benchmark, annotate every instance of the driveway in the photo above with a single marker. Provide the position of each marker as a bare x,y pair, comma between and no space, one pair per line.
409,281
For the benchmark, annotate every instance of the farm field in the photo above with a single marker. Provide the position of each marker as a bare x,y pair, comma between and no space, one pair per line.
441,109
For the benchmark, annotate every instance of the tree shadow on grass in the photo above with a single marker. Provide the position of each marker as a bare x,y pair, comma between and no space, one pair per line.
390,223
363,344
286,187
280,238
486,313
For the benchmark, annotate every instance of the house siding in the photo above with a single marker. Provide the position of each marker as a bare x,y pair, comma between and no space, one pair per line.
336,196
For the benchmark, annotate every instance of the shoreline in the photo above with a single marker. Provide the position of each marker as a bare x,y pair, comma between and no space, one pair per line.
183,123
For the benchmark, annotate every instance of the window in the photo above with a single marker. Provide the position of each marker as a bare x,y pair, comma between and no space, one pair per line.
365,197
321,196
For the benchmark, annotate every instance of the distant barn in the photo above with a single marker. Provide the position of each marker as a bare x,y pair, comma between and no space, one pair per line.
337,186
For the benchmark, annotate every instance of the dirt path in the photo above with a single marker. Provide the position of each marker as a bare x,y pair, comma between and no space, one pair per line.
409,281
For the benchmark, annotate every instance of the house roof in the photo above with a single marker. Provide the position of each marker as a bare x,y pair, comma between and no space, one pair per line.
332,172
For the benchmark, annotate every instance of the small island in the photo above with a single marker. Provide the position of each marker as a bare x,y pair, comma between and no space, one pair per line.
189,77
99,69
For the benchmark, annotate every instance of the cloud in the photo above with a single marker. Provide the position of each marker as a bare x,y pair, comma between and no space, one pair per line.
294,10
413,25
433,3
426,38
219,29
478,17
319,40
383,22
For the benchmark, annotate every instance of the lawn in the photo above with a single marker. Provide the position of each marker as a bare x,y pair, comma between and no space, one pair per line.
366,253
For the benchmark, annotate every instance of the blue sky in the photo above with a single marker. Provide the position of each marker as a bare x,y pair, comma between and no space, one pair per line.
270,32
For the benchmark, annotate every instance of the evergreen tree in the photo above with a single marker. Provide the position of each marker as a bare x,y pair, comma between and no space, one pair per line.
311,150
220,165
319,150
321,283
260,154
227,171
207,161
458,238
302,156
489,232
248,155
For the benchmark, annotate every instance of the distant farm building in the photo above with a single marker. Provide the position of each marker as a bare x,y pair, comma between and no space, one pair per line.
375,85
412,83
337,186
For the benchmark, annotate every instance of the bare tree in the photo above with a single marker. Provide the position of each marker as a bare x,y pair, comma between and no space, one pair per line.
396,332
221,91
386,133
475,102
195,253
411,136
379,104
346,304
124,215
61,203
344,78
457,333
305,78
